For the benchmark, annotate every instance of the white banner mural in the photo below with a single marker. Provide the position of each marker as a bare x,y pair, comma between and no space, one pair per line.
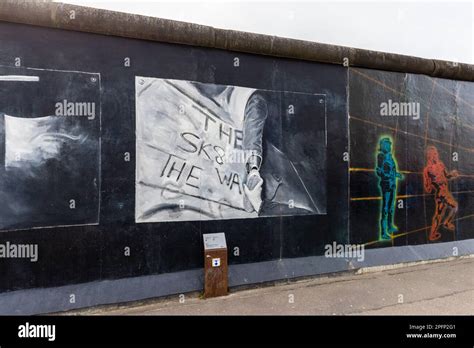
203,153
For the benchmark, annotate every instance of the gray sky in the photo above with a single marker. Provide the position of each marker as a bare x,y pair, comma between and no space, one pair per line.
430,29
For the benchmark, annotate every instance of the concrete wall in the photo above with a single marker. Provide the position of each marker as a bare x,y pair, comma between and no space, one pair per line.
120,153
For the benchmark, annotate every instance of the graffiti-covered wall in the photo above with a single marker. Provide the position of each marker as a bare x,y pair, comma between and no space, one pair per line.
118,154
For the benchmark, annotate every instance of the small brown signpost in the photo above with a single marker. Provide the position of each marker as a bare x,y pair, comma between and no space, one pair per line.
215,265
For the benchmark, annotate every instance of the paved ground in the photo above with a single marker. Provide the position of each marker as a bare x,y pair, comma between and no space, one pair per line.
435,288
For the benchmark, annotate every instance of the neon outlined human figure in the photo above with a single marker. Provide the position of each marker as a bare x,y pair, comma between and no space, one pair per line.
435,178
388,174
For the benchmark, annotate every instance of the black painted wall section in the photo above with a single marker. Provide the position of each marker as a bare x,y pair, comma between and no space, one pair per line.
78,254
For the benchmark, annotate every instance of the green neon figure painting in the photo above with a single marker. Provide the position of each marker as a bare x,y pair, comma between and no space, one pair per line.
387,171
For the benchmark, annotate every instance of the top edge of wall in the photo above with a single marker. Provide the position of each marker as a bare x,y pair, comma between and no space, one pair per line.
86,19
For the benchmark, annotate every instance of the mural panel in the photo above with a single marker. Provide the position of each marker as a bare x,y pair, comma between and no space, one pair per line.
412,173
207,151
49,148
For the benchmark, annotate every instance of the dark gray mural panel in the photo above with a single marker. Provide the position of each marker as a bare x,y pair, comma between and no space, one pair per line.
50,148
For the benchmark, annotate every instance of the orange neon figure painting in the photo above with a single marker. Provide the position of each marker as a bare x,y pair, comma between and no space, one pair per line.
435,179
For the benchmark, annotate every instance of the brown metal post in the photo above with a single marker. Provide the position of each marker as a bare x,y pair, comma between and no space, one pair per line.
215,265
